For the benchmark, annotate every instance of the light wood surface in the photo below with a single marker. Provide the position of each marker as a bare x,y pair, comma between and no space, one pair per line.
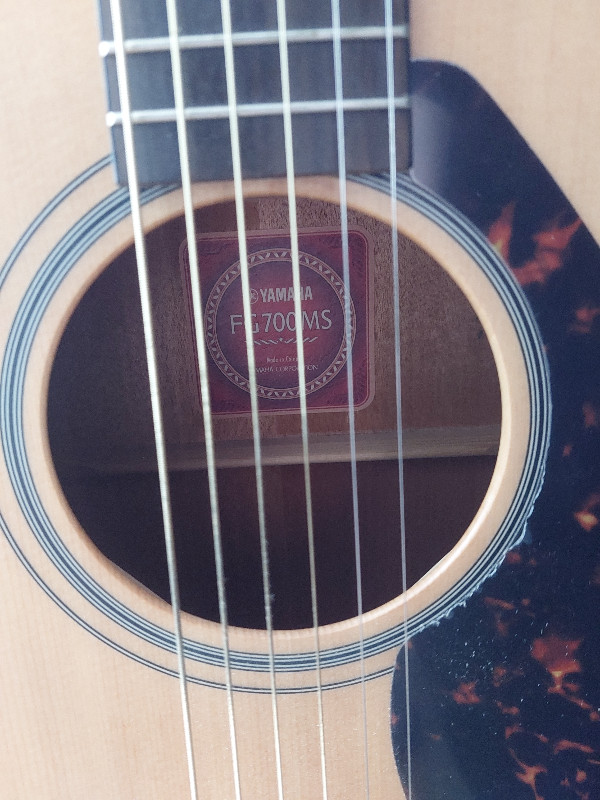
81,719
538,61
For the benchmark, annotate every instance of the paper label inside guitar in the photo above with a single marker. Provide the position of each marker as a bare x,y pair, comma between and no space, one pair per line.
328,319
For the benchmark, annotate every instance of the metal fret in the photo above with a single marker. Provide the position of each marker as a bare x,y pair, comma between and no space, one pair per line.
211,40
154,115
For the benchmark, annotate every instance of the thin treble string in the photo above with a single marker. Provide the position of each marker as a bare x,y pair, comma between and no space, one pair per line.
241,232
341,153
391,91
186,181
293,217
157,419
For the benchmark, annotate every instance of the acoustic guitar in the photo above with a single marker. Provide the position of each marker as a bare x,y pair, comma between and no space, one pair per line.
242,563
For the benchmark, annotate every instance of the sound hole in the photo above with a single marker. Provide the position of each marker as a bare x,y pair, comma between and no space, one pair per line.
101,439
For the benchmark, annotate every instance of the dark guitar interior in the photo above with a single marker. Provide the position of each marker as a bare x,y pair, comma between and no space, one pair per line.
102,443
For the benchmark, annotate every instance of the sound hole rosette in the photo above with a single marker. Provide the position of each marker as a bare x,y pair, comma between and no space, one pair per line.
49,275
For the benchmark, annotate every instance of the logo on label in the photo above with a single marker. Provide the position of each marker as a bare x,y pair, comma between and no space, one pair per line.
328,318
334,321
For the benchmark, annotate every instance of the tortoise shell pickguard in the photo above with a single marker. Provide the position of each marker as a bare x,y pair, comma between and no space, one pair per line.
505,693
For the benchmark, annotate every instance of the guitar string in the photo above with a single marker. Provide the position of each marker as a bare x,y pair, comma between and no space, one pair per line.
341,155
140,246
243,252
391,90
293,223
190,226
155,398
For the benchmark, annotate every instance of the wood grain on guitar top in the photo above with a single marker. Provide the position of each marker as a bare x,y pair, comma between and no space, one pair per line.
79,718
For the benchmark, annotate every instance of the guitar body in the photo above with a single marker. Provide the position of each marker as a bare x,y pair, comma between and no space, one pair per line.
90,701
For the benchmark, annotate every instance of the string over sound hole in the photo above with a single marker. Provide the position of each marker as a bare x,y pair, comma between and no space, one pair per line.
101,439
